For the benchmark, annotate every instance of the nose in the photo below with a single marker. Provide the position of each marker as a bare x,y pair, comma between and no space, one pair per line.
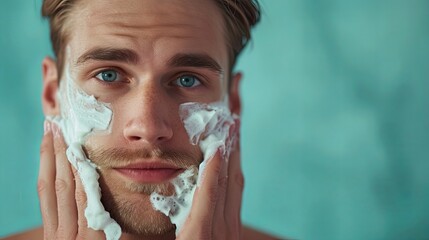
150,118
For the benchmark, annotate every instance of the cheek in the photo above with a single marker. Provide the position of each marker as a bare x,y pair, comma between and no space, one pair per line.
81,113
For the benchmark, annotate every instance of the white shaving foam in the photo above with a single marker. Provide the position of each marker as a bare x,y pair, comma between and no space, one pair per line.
81,115
207,125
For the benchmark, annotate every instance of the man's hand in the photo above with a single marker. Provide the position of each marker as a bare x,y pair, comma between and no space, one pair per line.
215,213
61,194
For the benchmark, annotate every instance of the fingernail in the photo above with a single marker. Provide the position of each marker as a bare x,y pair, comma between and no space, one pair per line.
222,152
46,127
56,131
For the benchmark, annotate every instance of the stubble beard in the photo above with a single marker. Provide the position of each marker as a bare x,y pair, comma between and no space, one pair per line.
128,202
134,213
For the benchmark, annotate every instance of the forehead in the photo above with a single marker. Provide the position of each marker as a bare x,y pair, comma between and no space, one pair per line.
153,28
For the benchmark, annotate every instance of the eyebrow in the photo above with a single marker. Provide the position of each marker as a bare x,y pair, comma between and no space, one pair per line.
109,54
195,60
130,56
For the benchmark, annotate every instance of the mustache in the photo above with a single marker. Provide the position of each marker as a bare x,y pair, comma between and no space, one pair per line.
120,157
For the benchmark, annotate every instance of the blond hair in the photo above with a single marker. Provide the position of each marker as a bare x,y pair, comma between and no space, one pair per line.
239,15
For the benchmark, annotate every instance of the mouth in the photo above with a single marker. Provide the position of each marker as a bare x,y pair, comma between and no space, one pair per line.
149,172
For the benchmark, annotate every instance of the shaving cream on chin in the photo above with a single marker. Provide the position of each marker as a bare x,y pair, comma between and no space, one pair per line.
81,115
208,126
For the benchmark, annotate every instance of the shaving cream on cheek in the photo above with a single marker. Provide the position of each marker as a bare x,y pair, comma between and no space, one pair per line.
81,115
207,125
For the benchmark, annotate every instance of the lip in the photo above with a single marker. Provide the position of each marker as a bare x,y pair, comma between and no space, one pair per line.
149,172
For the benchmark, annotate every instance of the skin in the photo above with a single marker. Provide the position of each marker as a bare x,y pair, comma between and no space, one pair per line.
145,102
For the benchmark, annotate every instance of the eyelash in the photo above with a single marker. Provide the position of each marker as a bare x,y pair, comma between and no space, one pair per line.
118,71
197,77
202,80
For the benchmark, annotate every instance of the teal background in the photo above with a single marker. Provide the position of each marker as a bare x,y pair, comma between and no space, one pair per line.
335,123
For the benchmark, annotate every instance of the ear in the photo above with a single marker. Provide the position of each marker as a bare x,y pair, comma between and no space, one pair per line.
50,102
234,94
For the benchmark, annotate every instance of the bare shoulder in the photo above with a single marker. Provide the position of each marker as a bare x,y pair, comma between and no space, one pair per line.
253,234
35,234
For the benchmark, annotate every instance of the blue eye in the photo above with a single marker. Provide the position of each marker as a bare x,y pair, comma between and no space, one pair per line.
188,81
108,76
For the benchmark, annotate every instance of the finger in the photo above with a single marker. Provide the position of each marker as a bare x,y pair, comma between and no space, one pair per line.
219,213
235,185
46,184
222,189
81,201
65,189
200,218
79,192
219,230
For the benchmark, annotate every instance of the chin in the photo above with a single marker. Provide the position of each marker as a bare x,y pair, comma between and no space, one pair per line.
129,205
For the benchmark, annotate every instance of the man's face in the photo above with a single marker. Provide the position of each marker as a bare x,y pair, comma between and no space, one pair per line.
145,58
